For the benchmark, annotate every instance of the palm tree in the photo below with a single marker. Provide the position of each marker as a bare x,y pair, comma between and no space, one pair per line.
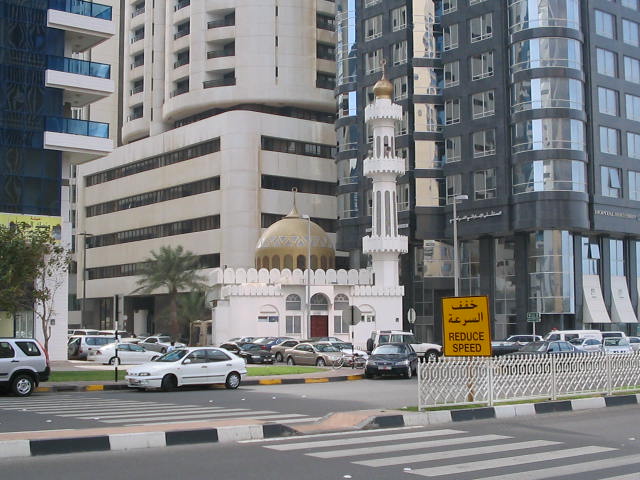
172,269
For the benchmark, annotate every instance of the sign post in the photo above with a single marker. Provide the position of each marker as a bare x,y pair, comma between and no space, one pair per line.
533,318
411,318
353,315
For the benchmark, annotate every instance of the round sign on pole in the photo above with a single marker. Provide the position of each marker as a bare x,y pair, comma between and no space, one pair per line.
411,316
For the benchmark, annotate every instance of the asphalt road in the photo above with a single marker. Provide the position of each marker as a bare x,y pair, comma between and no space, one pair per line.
588,445
282,403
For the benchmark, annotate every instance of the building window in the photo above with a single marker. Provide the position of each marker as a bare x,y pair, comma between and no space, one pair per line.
633,107
484,143
138,60
399,18
325,80
633,145
616,257
182,58
293,324
373,28
403,196
481,27
549,176
632,69
481,65
630,33
609,140
181,87
608,101
634,185
611,182
427,81
373,61
550,92
548,134
137,111
451,74
605,24
323,51
137,86
453,149
454,187
606,62
283,145
452,111
483,104
137,35
400,88
182,29
400,52
450,37
545,52
449,6
293,302
323,22
590,256
347,205
632,4
484,184
526,14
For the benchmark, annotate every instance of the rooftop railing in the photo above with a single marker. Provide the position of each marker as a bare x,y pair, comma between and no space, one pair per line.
77,127
81,67
82,7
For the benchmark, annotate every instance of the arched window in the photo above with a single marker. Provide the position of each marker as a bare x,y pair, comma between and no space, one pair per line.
300,262
293,302
340,302
275,262
288,262
319,302
265,262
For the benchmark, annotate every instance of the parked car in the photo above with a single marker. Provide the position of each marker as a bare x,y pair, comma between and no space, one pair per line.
392,359
635,343
545,347
347,348
512,343
231,347
189,366
24,363
614,333
128,354
159,343
312,354
255,353
430,351
241,340
82,331
79,347
612,345
279,348
567,335
587,344
269,342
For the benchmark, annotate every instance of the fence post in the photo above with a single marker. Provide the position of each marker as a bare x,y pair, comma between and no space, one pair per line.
607,362
419,385
489,364
553,376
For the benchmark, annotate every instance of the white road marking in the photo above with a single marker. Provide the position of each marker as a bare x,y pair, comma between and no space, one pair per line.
332,434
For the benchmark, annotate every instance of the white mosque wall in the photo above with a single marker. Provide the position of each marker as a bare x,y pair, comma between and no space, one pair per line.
231,276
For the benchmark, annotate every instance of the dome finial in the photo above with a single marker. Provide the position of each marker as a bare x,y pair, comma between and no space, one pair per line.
294,210
383,88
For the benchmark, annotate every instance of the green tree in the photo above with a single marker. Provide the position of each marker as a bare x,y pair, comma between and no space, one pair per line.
191,306
171,270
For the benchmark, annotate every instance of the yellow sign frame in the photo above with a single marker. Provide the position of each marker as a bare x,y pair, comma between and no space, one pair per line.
466,329
52,224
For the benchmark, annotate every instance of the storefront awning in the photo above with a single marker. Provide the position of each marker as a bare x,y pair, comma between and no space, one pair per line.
593,307
621,309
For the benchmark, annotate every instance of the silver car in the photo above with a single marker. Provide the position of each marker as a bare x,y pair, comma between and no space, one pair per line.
614,345
587,344
312,354
23,365
159,343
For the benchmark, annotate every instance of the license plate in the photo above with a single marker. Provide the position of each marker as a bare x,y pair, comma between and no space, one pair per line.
385,368
133,381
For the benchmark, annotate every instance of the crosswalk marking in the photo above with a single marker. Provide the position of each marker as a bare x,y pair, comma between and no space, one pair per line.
369,439
582,467
180,411
509,461
247,413
260,417
332,434
409,459
411,446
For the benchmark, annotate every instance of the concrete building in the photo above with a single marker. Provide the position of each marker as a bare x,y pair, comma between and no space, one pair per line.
47,80
529,110
226,107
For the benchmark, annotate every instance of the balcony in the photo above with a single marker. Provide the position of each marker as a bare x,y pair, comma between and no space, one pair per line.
219,82
81,140
86,23
83,82
181,4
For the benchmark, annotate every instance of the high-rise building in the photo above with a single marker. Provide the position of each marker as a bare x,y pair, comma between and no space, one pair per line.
226,108
48,86
525,114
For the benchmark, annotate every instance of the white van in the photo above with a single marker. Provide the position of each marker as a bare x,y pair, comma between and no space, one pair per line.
567,335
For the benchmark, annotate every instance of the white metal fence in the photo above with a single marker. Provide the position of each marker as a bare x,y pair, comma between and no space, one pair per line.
473,380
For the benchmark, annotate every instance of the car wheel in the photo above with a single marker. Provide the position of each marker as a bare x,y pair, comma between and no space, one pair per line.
23,385
409,373
290,361
278,357
431,356
169,383
233,381
320,362
114,361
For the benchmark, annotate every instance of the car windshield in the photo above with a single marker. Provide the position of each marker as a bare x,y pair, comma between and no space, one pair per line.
164,339
389,350
615,342
173,356
576,341
250,346
534,347
326,348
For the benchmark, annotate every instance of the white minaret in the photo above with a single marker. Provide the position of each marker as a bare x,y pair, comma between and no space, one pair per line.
384,245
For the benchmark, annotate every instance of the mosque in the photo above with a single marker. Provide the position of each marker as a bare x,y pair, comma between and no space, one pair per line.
294,290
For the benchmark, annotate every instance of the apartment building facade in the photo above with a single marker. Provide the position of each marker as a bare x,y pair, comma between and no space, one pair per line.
525,114
227,106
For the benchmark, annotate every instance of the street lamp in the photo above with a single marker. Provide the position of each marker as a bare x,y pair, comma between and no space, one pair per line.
308,287
456,261
84,235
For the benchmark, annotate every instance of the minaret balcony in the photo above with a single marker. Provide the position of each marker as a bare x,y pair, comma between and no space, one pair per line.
398,244
382,109
385,165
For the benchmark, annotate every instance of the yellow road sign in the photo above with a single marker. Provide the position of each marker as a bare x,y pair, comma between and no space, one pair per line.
465,326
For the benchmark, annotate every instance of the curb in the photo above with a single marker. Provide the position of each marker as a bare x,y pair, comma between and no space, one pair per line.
131,441
264,381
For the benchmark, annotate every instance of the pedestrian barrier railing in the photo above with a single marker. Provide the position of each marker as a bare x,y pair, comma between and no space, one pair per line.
474,380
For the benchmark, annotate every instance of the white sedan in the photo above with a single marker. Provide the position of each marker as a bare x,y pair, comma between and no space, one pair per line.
189,366
128,353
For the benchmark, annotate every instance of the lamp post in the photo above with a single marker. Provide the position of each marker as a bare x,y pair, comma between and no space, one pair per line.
308,287
84,236
456,260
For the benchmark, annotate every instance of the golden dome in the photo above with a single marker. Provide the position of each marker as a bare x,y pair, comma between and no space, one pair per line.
285,245
383,88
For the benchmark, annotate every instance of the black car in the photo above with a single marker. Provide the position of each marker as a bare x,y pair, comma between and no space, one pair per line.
544,347
255,353
392,359
231,347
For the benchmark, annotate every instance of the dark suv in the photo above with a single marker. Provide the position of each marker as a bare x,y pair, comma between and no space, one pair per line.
23,365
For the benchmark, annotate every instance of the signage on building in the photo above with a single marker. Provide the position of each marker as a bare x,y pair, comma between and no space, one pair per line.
465,326
478,216
613,213
52,224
